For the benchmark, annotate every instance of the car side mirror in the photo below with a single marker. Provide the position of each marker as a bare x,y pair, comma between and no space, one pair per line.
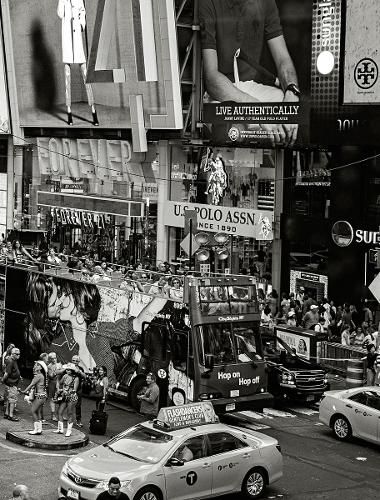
209,361
174,462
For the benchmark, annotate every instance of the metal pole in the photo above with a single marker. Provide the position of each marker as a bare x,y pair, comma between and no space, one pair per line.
191,243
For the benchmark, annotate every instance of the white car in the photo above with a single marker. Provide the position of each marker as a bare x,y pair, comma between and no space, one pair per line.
156,461
352,412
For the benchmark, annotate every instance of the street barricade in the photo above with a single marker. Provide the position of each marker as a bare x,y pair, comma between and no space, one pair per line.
335,356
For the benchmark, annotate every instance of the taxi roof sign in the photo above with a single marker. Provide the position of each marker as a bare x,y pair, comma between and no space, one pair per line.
180,417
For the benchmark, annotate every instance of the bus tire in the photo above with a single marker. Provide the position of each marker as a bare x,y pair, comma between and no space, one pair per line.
136,388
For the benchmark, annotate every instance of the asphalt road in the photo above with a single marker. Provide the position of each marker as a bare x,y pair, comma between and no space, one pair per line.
316,466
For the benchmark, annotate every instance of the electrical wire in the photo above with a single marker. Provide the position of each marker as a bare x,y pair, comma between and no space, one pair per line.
69,157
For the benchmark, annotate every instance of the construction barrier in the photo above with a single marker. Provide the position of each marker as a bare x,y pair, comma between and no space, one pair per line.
355,373
335,357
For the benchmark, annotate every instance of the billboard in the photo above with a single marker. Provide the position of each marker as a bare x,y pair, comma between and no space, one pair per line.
101,324
345,87
4,108
256,66
115,58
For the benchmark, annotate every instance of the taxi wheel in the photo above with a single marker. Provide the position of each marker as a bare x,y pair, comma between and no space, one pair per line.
148,493
341,428
254,483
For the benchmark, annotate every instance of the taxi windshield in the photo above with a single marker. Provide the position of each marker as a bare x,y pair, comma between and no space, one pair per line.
142,444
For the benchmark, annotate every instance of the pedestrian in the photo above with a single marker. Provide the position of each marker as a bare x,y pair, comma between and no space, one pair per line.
101,388
114,486
311,317
345,335
21,492
377,368
320,327
52,368
67,397
150,397
371,359
6,355
11,379
81,378
292,320
37,394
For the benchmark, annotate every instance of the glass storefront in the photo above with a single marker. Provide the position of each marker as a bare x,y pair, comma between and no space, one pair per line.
232,192
96,192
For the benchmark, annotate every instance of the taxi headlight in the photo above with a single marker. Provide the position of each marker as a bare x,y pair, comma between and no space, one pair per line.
65,468
103,485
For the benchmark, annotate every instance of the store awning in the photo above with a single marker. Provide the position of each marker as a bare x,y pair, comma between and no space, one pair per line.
110,206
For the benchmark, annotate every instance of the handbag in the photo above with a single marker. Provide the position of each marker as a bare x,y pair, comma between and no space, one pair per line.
59,396
32,394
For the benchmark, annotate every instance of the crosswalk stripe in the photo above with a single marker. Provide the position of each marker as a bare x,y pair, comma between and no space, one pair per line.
257,427
278,413
304,411
253,414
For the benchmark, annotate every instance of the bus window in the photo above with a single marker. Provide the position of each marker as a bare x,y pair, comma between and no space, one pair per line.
217,340
248,344
243,299
179,350
155,342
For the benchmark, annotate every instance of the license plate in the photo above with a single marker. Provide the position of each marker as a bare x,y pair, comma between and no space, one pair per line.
230,407
235,393
310,398
73,495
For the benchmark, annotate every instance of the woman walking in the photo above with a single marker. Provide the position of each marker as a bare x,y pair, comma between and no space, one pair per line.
37,394
101,388
52,369
67,398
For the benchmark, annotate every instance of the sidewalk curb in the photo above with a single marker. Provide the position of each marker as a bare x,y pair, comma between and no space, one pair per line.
77,440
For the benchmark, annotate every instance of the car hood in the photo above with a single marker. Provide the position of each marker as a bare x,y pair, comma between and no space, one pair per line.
101,463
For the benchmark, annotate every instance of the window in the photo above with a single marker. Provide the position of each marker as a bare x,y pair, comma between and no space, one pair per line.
179,350
360,397
155,342
222,442
367,398
192,449
229,343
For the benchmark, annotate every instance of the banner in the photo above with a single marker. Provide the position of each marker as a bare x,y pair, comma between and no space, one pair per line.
238,221
251,99
118,57
101,324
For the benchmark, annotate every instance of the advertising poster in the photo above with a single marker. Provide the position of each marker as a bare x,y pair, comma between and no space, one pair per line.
300,344
4,108
101,324
256,66
345,88
116,57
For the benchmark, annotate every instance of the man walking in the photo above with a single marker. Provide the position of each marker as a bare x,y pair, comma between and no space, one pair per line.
114,486
150,398
11,380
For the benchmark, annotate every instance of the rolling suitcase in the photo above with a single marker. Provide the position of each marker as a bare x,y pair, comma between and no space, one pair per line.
98,422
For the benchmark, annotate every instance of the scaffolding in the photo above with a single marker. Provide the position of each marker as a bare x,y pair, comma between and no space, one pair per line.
189,52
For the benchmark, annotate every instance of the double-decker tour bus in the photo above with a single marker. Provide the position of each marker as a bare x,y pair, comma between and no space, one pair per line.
205,346
208,347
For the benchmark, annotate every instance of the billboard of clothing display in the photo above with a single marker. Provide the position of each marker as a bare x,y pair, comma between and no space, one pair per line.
4,109
102,324
85,63
256,66
345,86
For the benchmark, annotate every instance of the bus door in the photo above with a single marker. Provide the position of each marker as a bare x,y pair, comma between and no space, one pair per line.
156,355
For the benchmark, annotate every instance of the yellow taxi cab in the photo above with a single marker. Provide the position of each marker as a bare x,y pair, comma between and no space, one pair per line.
352,412
186,453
